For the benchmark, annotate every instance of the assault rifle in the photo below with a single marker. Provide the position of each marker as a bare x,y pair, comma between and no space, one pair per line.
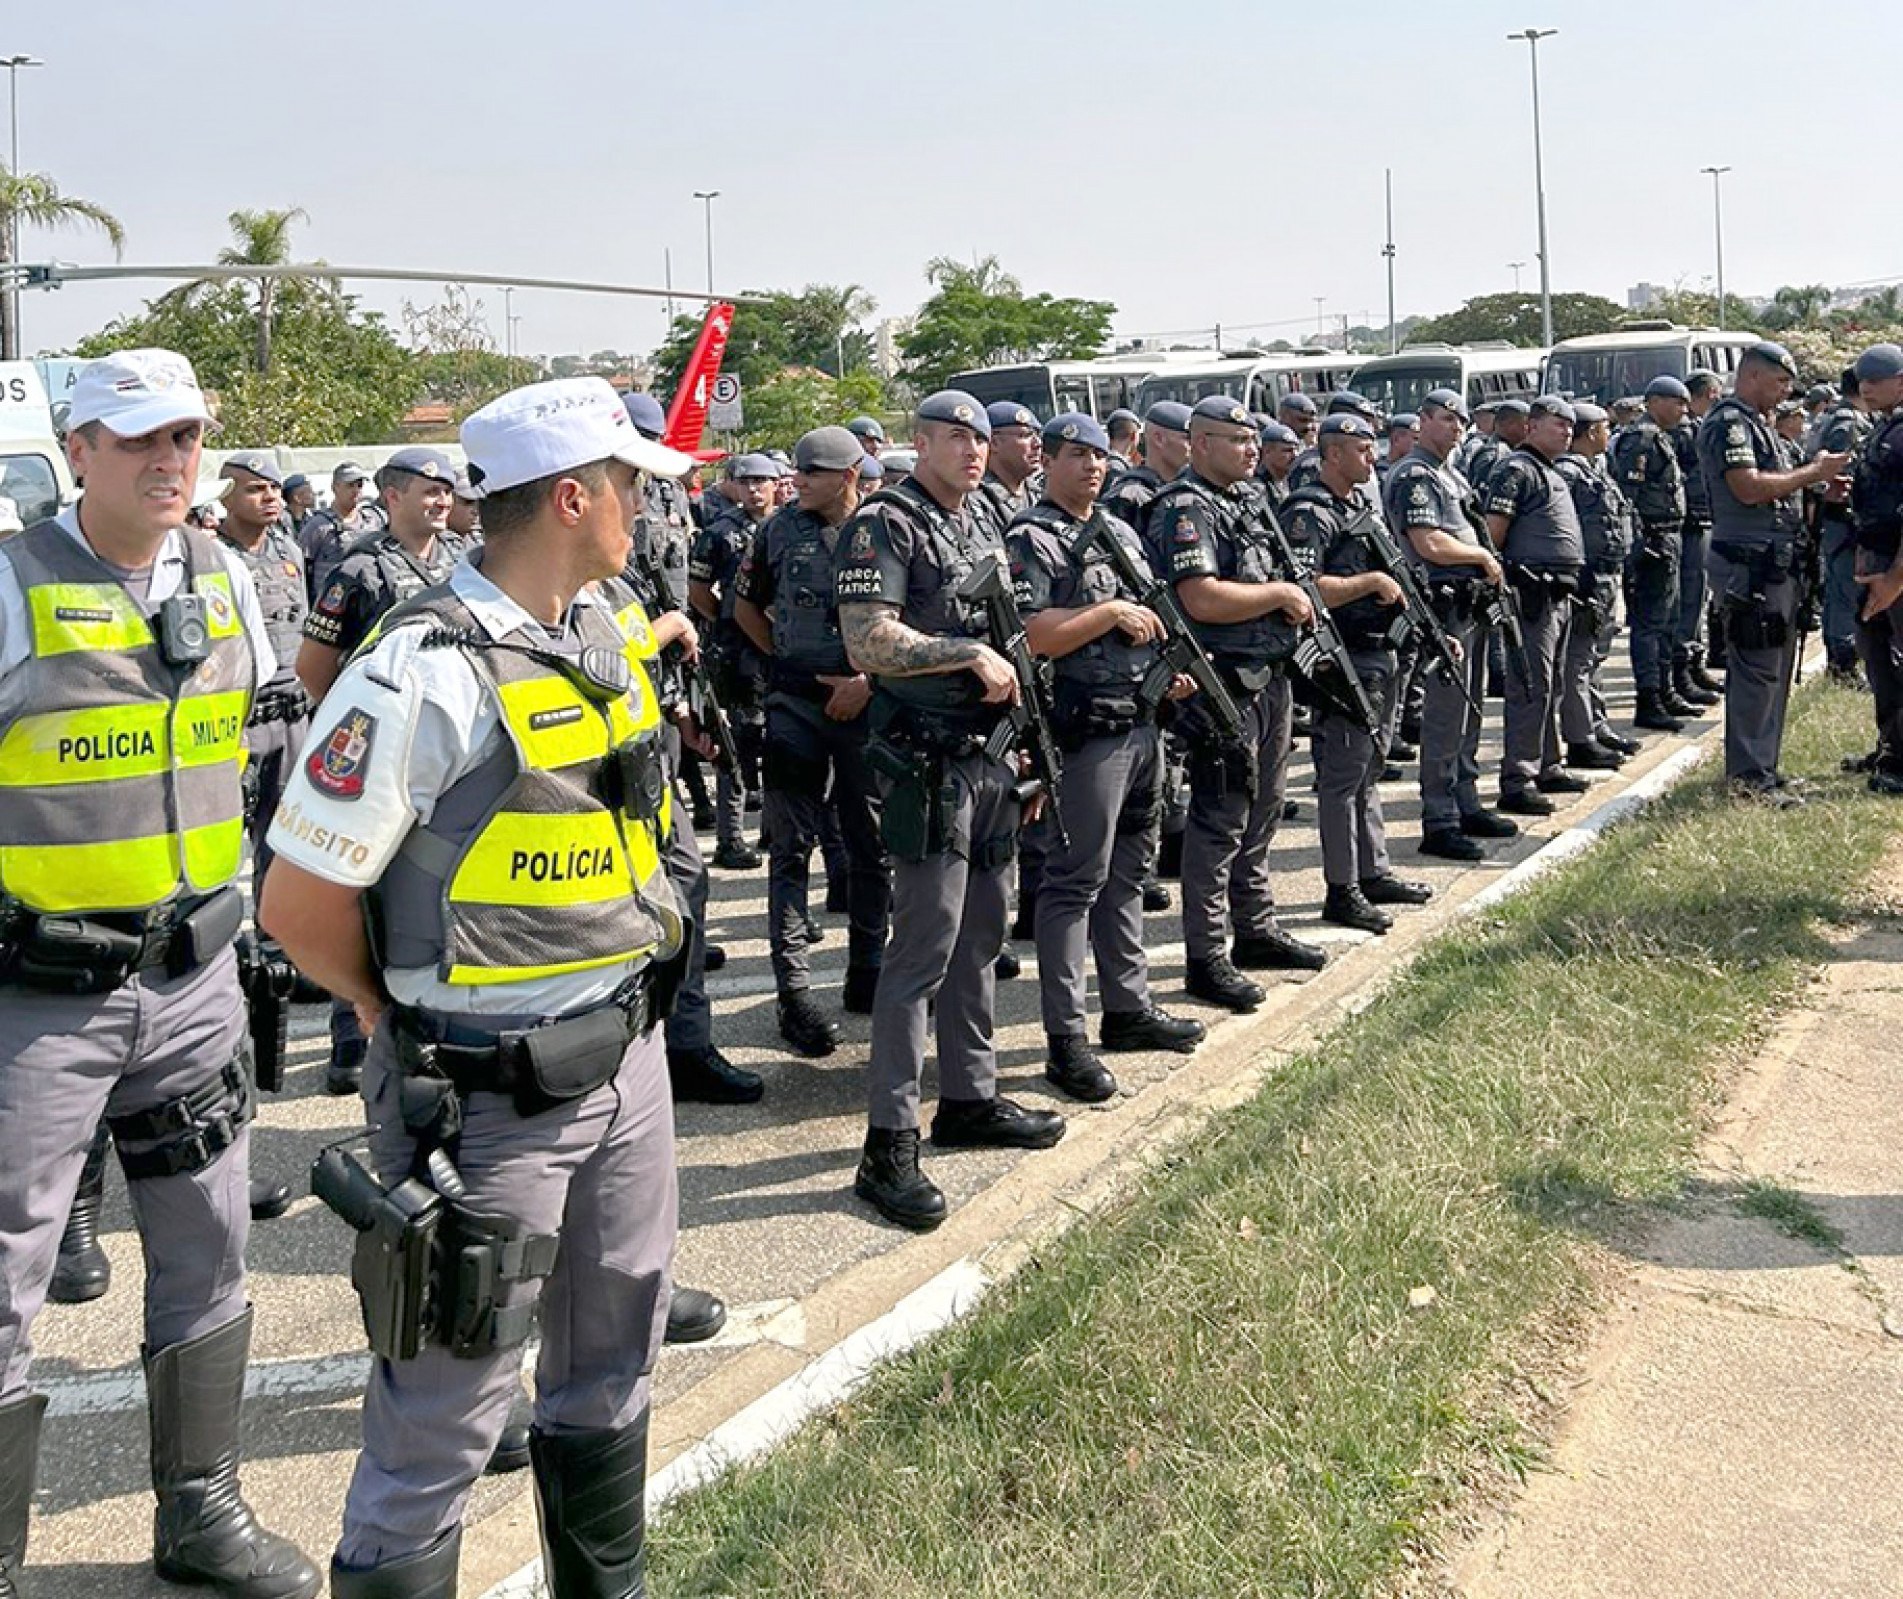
1029,721
1180,650
1320,654
1417,616
1501,607
702,702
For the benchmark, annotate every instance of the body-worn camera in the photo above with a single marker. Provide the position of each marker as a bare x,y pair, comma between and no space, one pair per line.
184,631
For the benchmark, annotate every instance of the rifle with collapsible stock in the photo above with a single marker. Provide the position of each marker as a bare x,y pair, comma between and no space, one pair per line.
702,702
1320,654
1417,616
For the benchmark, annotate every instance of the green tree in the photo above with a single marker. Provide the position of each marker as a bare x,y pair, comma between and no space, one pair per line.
456,357
259,238
1516,319
979,315
1797,306
338,375
774,330
33,199
800,399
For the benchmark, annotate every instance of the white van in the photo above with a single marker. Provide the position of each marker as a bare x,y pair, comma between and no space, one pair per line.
1480,372
1259,381
1609,366
34,477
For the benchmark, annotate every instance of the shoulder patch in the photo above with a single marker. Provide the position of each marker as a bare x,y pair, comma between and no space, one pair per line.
1186,531
332,599
338,769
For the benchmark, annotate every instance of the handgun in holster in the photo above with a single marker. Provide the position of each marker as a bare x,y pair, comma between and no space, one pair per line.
394,1268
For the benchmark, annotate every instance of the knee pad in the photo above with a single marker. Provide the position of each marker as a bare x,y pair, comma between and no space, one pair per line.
187,1134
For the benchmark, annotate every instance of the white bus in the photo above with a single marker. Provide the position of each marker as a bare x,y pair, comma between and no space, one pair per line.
1609,366
1049,388
1478,371
35,480
1259,381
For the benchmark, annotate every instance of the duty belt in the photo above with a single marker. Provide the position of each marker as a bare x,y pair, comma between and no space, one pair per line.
280,705
94,954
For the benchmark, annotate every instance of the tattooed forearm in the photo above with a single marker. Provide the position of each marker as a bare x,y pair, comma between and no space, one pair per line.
878,642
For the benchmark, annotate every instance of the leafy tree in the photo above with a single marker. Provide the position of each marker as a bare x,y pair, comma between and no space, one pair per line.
800,399
774,330
1796,306
337,375
1515,317
457,359
33,199
259,238
979,315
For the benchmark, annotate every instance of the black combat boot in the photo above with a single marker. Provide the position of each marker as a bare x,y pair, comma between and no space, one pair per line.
590,1491
890,1181
1150,1028
805,1026
1688,688
1277,950
1525,802
1594,757
1484,823
1449,843
1346,906
203,1532
862,984
994,1123
1704,676
1616,741
1669,698
82,1271
511,1452
707,1077
694,1315
1653,716
1217,981
430,1574
19,1456
343,1073
1156,894
1387,889
1074,1069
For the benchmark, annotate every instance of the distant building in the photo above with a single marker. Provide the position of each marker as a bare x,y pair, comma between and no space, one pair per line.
1645,296
887,358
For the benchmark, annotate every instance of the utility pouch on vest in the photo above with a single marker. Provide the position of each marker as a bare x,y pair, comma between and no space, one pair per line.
570,1059
395,1267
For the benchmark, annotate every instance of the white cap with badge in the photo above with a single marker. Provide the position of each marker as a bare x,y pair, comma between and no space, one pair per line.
546,428
135,392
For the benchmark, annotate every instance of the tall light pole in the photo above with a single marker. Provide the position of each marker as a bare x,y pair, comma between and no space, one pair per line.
1514,268
13,64
1532,36
508,325
1718,233
1394,337
1320,333
707,198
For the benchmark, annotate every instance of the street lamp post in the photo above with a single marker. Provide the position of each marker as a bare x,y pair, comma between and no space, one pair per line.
13,63
1514,268
1532,36
707,198
1394,337
508,326
1718,234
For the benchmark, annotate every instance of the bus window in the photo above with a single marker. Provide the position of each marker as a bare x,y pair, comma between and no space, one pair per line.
28,481
1072,393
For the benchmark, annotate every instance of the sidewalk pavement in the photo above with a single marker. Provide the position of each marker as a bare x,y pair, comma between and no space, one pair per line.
1737,1432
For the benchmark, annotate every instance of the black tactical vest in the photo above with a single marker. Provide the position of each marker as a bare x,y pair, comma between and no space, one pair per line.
1111,660
1605,515
277,573
806,636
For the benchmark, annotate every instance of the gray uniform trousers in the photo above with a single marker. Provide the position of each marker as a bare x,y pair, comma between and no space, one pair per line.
1757,681
1688,637
1092,893
67,1060
1450,730
1880,643
1532,703
948,925
1582,701
1652,600
1348,762
1842,599
835,753
274,748
599,1169
1226,883
690,1029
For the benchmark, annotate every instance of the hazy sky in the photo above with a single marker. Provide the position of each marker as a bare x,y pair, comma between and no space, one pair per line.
1193,163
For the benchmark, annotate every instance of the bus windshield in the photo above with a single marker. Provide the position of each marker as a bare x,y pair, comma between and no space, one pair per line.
1608,375
1018,385
1402,388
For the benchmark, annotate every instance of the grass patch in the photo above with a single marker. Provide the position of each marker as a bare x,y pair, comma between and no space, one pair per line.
1790,1213
1272,1367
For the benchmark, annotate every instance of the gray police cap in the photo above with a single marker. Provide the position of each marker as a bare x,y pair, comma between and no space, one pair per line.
1074,427
1009,414
866,427
1550,405
1347,402
1299,403
1666,387
1281,433
869,469
1878,362
256,462
1517,408
1585,415
827,450
645,412
1345,424
1403,419
1222,408
956,407
1446,400
1775,354
1122,414
421,462
1172,415
757,464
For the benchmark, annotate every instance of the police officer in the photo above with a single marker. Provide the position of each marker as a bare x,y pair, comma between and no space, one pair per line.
1307,466
950,809
1535,529
465,513
815,735
1430,504
1125,430
1009,484
1693,683
1843,427
1101,644
1204,533
1404,428
1510,420
1299,413
123,634
870,433
1280,444
1876,505
1483,421
1756,517
330,530
1328,525
300,500
512,863
1129,495
737,668
1606,530
1645,464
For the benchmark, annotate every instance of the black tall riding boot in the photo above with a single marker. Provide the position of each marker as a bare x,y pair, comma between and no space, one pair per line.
429,1575
82,1271
203,1531
19,1455
591,1487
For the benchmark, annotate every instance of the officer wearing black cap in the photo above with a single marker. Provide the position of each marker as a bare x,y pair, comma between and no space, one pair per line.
379,572
1205,537
1280,445
1694,684
870,433
1431,504
1607,528
1844,427
1128,497
300,499
1328,525
1101,644
1482,430
1343,402
815,735
1010,481
328,532
1403,428
1299,413
1756,518
1510,419
1645,464
1125,430
1876,505
950,811
1534,527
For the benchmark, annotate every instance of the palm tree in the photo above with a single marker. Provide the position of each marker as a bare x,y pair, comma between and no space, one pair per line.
34,199
261,239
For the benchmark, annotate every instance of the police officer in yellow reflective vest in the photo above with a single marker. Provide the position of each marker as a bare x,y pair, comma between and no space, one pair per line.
130,649
485,781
